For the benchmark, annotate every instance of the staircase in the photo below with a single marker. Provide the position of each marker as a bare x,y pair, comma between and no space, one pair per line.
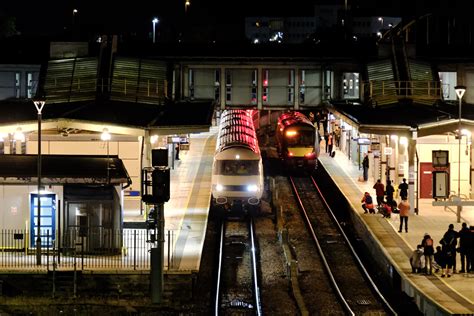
70,80
382,87
138,80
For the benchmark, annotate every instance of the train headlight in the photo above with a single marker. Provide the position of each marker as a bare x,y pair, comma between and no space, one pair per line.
219,187
252,188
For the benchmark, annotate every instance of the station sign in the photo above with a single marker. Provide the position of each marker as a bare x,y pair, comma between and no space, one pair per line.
388,151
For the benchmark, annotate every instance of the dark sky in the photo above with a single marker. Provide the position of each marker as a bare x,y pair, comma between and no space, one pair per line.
54,16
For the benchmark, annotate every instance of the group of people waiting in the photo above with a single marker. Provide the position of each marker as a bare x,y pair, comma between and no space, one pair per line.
425,259
386,205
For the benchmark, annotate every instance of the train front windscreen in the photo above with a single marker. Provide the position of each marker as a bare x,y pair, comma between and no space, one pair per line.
237,167
303,138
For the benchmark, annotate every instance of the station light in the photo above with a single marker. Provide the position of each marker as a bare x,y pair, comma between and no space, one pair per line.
19,136
219,187
291,133
105,136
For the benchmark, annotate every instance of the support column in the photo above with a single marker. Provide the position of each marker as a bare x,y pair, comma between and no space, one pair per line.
222,86
411,171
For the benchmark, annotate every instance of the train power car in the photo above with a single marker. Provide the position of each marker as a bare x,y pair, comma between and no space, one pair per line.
237,175
297,141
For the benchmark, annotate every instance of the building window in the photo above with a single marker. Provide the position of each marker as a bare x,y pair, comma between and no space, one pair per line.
254,86
265,86
302,86
217,85
291,86
228,85
29,86
191,83
17,84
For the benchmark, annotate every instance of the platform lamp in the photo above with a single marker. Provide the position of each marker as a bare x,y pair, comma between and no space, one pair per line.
154,21
39,104
460,90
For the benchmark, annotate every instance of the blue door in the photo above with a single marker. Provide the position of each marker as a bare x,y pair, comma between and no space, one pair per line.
48,219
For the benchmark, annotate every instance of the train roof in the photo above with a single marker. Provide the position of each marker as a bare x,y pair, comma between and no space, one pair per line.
236,129
292,118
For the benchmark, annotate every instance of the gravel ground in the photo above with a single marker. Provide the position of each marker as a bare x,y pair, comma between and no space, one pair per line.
275,286
314,285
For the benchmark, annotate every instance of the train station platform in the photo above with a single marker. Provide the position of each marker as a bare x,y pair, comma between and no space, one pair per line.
433,294
186,213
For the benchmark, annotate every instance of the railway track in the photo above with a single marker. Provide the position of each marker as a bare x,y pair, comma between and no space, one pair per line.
237,288
350,281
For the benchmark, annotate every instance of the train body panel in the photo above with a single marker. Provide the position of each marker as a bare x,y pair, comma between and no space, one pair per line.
237,175
297,141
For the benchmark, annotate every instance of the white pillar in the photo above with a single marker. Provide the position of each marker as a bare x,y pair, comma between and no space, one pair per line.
411,170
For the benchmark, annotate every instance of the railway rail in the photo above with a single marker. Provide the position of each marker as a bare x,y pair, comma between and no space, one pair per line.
237,282
355,289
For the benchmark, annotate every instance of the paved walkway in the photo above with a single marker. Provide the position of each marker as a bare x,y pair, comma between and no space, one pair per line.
454,295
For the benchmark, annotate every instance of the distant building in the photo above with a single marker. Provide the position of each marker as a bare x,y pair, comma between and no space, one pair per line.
290,30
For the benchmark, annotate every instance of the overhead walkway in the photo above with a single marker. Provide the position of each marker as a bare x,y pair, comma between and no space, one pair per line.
433,294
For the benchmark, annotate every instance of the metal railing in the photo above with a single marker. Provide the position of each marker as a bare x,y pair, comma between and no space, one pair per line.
65,88
97,249
402,89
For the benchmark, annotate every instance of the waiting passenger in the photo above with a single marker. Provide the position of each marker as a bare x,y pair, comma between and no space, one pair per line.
415,259
367,203
386,210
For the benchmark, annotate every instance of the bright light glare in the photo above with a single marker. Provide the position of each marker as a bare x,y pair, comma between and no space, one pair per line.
291,133
394,137
252,188
463,132
403,141
155,20
105,135
237,157
219,187
19,135
153,138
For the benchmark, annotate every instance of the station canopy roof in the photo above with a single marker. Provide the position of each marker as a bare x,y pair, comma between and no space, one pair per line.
127,117
63,169
403,117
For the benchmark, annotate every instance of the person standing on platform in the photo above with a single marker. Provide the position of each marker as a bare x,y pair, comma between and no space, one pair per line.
464,236
449,242
177,152
326,140
365,166
428,252
330,143
439,261
389,190
379,192
404,208
403,188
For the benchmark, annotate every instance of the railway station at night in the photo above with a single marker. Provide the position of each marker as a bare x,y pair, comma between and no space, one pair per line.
158,175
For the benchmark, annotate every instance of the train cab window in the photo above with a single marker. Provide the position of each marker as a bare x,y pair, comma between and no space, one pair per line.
238,167
301,138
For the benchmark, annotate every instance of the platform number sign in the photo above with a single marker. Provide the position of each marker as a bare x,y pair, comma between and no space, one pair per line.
48,219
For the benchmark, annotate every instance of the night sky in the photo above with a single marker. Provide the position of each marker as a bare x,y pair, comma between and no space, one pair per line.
54,16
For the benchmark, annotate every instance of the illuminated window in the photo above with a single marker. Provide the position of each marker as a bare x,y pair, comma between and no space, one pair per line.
254,86
265,86
217,85
29,85
228,85
302,86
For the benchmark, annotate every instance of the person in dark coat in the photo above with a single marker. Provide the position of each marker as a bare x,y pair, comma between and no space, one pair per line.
439,261
464,241
389,190
403,188
449,242
428,252
365,166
